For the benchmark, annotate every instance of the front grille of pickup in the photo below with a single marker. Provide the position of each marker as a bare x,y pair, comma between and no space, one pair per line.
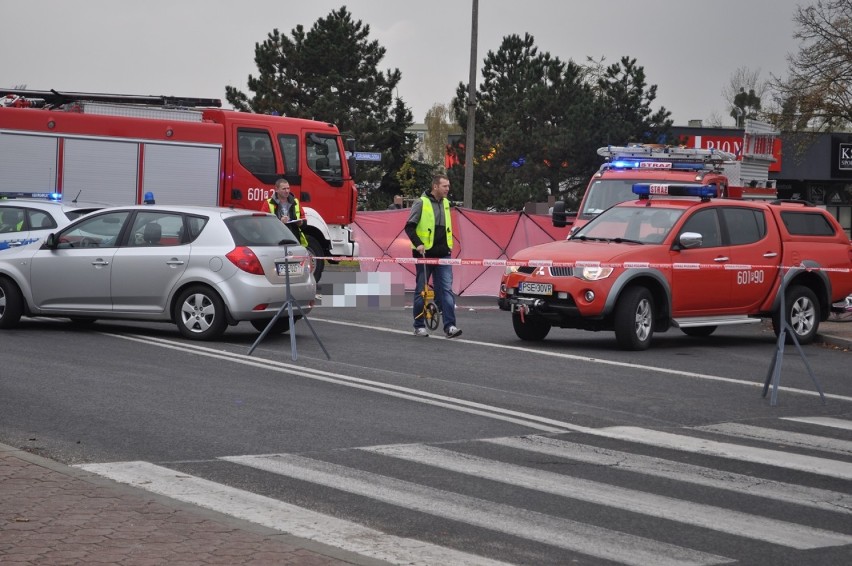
561,271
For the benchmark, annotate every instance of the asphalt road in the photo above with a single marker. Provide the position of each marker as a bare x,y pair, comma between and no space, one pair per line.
484,448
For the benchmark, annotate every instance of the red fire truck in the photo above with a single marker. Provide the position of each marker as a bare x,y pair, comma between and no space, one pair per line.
742,175
124,149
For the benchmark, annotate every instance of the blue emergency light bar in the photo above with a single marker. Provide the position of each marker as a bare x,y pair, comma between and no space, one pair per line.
646,190
14,194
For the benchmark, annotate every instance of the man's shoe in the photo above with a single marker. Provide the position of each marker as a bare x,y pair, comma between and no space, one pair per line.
421,332
452,331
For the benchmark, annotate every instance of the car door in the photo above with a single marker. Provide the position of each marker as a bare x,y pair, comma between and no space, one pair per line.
150,263
700,283
75,275
13,227
754,253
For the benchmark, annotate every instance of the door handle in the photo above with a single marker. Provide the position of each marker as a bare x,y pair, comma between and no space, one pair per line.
770,254
175,262
100,263
721,259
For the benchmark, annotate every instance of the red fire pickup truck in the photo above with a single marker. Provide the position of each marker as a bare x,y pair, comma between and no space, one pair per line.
679,257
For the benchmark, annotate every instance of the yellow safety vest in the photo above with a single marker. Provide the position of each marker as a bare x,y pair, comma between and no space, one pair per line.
426,227
273,208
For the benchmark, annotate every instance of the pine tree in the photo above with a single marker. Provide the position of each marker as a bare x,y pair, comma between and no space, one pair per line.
330,73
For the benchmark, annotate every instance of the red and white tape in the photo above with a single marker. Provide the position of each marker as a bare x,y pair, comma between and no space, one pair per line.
550,263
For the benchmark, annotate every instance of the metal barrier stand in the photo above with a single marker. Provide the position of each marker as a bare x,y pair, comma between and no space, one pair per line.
289,305
773,376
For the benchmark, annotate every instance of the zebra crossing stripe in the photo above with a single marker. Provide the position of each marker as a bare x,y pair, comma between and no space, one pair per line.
822,421
283,517
785,437
563,533
682,472
659,506
809,464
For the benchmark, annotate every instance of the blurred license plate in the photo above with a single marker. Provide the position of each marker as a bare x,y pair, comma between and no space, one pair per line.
536,288
293,268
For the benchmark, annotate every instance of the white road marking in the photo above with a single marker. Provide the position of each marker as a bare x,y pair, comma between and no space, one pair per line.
822,421
284,517
563,533
785,437
533,351
682,472
453,403
659,506
810,464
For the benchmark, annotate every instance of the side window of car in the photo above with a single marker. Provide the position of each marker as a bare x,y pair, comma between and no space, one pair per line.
807,224
11,219
195,224
156,228
706,223
40,220
744,225
101,231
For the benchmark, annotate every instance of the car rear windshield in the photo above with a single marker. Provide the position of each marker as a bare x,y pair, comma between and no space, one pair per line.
78,212
259,230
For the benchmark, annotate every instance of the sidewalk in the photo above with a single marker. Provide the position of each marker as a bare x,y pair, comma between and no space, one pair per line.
836,333
52,514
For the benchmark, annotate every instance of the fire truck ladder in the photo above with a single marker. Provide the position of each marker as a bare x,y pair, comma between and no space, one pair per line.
649,152
41,98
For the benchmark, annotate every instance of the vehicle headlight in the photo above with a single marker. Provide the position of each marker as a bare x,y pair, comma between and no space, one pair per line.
594,273
510,269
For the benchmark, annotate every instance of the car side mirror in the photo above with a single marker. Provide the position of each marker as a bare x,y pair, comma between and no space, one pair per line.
561,217
689,240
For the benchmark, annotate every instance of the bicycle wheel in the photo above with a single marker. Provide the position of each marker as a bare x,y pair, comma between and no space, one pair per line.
433,317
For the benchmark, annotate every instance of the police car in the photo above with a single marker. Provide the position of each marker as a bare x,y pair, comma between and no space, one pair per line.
29,217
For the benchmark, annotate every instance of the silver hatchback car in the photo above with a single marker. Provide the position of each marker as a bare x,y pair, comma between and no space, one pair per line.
201,268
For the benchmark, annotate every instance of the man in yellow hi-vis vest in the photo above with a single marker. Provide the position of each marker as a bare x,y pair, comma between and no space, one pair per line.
430,229
286,207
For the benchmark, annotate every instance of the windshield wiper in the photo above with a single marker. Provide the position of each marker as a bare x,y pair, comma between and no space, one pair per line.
616,240
591,239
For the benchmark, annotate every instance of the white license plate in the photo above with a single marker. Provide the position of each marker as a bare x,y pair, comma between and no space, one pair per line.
293,268
536,288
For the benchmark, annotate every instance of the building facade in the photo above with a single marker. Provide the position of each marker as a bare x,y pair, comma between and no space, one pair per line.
812,167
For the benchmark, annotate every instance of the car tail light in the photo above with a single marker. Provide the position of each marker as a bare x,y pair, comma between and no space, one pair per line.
245,259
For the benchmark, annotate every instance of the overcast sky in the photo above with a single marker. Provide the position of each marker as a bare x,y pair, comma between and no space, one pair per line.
193,48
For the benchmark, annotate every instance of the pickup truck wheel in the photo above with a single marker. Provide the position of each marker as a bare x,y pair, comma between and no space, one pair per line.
634,319
200,314
315,250
699,331
531,329
11,304
802,312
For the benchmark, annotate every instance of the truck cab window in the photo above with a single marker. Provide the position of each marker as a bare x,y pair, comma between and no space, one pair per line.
324,156
254,149
289,145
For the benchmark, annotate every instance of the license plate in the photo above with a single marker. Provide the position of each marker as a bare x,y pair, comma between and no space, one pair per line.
536,288
293,268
